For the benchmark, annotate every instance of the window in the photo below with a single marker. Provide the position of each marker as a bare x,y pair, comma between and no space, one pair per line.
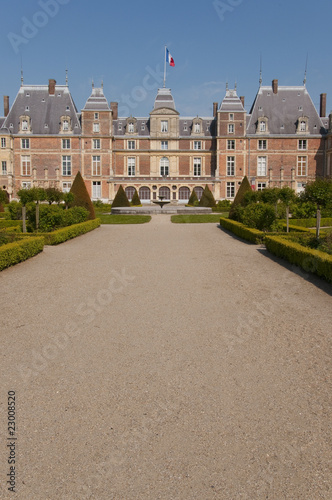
26,185
25,143
184,193
231,144
231,117
96,143
230,165
130,191
197,128
24,124
303,144
197,145
96,170
65,125
230,189
131,166
261,186
144,193
164,166
165,192
25,165
96,116
301,165
131,128
96,189
231,128
66,187
164,144
4,167
303,126
96,127
262,144
164,125
66,165
3,142
131,144
197,166
65,143
261,166
262,126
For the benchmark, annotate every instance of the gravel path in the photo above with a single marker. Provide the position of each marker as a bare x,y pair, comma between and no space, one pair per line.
166,361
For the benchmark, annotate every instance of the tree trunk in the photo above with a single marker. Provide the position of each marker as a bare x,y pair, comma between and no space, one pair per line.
318,223
287,218
24,211
37,216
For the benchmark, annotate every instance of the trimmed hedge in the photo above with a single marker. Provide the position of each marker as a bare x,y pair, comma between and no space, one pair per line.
67,233
247,233
310,260
10,223
16,252
297,229
325,221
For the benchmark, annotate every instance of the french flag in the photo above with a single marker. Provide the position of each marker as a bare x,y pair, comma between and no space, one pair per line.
169,58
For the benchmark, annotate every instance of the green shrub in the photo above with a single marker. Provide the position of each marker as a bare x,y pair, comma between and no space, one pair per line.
224,205
12,253
120,199
15,210
258,216
67,233
303,210
193,199
249,234
240,197
136,202
310,260
207,199
10,223
52,217
81,195
75,215
325,221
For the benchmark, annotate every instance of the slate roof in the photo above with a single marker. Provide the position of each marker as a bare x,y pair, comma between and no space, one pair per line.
164,99
283,111
143,126
97,101
231,102
43,109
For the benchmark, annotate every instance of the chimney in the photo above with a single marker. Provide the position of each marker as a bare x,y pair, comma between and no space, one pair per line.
242,100
51,87
114,108
215,109
6,105
322,112
275,86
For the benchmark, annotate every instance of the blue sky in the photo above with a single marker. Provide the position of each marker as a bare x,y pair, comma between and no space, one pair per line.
122,43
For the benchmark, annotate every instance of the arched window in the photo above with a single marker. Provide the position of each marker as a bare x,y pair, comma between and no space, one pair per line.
164,166
199,191
130,190
144,193
184,193
165,192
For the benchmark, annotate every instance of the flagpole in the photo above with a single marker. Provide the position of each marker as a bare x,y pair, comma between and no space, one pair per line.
165,69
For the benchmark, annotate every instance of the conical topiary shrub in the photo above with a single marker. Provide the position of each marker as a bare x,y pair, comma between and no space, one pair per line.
81,196
193,198
239,198
136,201
120,199
207,199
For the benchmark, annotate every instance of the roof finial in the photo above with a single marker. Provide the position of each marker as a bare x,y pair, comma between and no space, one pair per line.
93,84
21,72
235,85
226,85
305,72
66,77
102,84
260,72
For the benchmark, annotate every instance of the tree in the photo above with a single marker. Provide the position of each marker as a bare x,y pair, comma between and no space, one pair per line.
3,199
272,196
53,195
136,200
68,198
319,192
120,199
25,197
288,196
207,199
37,194
239,199
193,198
81,195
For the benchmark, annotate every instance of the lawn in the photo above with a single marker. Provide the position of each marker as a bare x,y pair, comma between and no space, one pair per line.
124,219
198,218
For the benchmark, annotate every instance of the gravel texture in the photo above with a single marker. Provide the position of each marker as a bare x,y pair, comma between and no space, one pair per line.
166,361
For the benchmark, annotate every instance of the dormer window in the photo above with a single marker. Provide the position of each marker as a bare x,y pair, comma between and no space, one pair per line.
197,128
262,125
164,125
302,126
25,123
65,124
131,128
